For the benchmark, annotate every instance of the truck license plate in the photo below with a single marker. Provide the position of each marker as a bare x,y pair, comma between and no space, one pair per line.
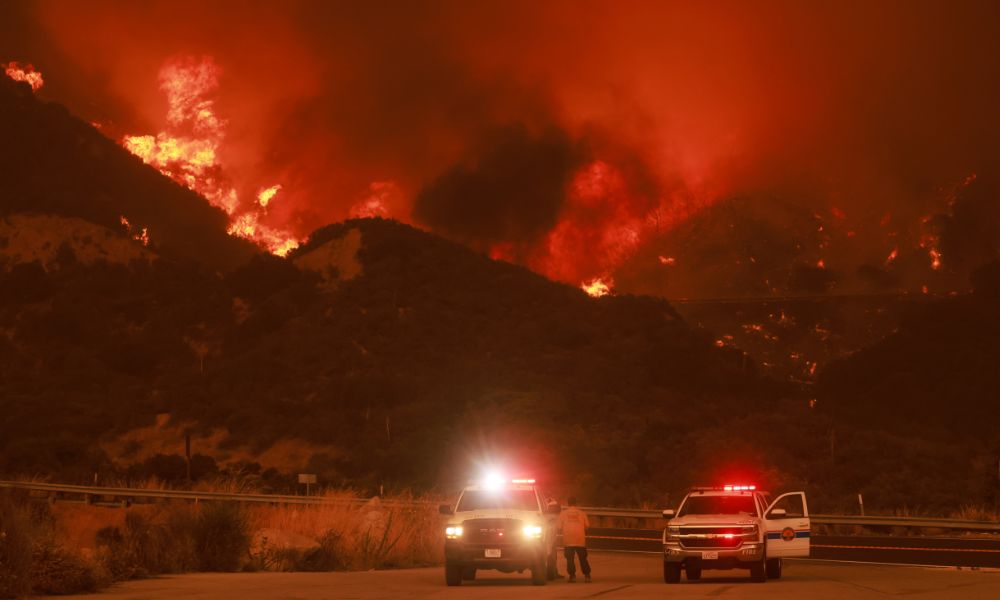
493,553
710,555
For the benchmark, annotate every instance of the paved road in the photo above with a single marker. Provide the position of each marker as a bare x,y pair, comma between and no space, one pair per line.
616,575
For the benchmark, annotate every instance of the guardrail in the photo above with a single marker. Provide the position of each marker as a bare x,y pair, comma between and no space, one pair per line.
863,521
89,493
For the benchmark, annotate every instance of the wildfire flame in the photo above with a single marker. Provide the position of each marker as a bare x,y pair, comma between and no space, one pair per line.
26,73
187,150
264,196
597,288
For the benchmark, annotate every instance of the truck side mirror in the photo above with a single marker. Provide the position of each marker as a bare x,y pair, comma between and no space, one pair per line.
445,509
777,513
668,513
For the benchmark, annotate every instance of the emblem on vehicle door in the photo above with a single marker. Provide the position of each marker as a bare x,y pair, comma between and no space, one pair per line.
788,534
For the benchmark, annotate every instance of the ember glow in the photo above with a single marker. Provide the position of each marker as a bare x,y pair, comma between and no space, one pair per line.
188,150
142,235
26,73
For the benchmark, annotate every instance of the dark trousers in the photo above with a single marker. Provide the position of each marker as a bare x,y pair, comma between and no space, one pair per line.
581,552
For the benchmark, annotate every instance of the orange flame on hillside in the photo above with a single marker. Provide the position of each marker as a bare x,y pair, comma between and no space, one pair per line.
597,287
26,73
187,151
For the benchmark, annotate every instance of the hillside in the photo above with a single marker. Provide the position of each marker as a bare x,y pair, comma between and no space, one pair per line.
920,406
426,358
53,163
381,355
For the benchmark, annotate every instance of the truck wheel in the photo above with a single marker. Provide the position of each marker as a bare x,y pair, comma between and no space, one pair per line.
538,572
469,574
452,573
758,574
671,572
693,572
773,568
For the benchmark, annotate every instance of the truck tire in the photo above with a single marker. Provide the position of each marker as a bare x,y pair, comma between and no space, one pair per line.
671,572
758,573
469,574
692,572
452,573
539,572
773,568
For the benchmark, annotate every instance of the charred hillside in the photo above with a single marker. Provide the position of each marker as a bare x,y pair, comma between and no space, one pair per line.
402,357
51,162
919,407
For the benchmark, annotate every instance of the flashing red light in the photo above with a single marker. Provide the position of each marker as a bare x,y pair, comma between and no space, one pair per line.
522,481
739,488
728,536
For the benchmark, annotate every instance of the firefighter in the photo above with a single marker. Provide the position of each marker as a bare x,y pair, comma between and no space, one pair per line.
573,523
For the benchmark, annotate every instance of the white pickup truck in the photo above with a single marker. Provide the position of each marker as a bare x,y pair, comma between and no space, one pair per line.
499,524
734,527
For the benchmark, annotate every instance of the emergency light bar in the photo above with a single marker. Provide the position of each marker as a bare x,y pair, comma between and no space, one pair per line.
729,487
496,481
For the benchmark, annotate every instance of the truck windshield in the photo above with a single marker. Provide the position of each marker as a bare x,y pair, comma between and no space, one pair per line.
718,505
508,499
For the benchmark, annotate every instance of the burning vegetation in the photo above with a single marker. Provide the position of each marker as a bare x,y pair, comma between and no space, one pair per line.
25,73
188,151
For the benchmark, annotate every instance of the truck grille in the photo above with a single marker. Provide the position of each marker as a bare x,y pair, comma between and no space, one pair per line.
716,543
714,537
491,531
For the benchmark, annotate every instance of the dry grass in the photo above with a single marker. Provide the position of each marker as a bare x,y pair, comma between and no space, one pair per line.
344,532
976,513
353,534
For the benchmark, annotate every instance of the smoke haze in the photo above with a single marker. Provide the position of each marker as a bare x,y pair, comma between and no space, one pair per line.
572,137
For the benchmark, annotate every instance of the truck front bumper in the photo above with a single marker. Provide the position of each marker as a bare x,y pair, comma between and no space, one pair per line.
513,557
740,557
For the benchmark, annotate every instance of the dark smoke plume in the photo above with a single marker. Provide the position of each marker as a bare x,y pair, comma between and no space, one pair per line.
512,190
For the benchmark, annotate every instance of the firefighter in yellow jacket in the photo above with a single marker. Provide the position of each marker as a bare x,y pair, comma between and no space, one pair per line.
573,523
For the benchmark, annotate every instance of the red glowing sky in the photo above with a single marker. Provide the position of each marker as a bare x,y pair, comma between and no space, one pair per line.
642,113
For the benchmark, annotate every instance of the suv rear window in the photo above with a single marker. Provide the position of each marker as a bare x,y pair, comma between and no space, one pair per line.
718,505
508,499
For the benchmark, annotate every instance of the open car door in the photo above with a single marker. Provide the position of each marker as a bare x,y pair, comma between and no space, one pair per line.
787,522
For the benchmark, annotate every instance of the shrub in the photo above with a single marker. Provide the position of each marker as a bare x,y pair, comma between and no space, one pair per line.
15,549
326,557
221,536
55,570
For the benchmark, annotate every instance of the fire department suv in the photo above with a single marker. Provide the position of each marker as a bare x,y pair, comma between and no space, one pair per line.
734,526
499,524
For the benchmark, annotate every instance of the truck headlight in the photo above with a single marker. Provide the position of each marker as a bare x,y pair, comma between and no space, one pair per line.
533,531
453,533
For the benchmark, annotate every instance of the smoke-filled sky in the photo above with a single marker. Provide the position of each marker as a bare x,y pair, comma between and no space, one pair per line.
582,139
